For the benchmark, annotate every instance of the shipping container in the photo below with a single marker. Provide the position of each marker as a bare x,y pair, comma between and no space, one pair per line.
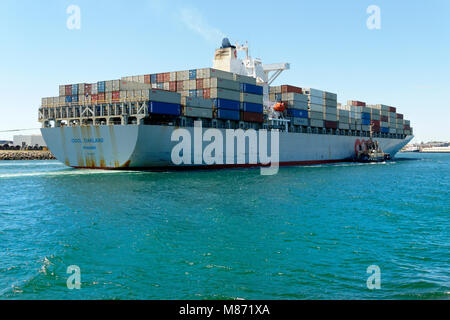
166,77
164,108
199,83
299,121
68,90
198,112
225,114
244,79
147,79
330,117
315,100
313,92
213,73
164,96
252,107
227,104
331,124
252,98
68,99
315,115
291,96
384,130
298,105
316,123
197,102
316,108
252,117
343,126
365,122
192,74
356,103
224,84
153,78
399,116
183,75
291,89
172,76
297,113
330,96
218,93
173,86
62,90
251,89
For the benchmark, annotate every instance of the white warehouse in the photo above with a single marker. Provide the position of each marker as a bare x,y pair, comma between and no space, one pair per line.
29,140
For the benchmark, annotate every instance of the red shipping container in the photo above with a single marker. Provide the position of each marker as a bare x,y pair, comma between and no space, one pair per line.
392,109
147,79
252,117
115,96
94,98
331,124
87,89
68,90
199,84
173,86
399,116
358,104
206,93
406,127
289,89
376,129
160,77
166,77
376,123
384,118
101,97
180,86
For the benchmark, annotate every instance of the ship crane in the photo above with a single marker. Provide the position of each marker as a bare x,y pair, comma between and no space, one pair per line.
226,59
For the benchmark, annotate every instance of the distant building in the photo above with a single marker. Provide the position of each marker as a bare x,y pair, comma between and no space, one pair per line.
29,140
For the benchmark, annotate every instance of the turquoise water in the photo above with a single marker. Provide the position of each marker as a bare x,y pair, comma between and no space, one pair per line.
306,233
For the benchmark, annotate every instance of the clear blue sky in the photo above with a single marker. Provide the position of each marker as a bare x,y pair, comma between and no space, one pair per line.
405,64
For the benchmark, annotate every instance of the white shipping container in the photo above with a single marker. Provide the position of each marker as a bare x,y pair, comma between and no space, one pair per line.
330,110
62,90
207,83
116,85
192,84
183,75
196,102
245,79
94,88
108,86
330,117
173,76
166,86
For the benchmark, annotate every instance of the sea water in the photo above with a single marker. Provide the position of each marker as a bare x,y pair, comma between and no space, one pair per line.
306,233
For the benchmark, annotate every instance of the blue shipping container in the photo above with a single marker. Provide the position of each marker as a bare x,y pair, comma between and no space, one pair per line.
68,98
228,114
366,122
278,97
164,108
74,89
101,86
384,130
252,107
153,78
297,113
227,104
160,85
192,74
365,115
251,88
192,93
74,98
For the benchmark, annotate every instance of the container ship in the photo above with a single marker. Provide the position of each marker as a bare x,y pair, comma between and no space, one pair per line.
231,114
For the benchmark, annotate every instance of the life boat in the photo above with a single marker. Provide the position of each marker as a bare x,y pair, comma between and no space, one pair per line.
279,107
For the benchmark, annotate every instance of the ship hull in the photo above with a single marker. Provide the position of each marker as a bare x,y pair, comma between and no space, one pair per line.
151,147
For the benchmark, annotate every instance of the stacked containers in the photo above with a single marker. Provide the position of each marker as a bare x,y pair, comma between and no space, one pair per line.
376,118
195,107
164,102
330,110
297,105
365,112
251,102
344,118
315,107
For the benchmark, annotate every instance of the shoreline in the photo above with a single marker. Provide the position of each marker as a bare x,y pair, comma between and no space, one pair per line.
15,155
